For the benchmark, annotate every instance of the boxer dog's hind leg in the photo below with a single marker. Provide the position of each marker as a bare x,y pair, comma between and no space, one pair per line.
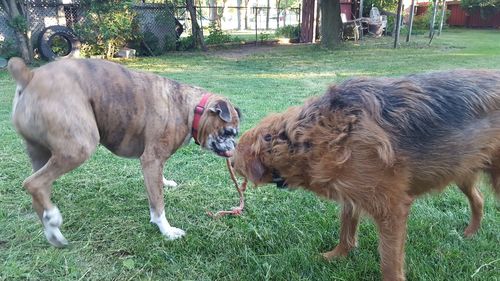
152,168
39,155
169,183
39,184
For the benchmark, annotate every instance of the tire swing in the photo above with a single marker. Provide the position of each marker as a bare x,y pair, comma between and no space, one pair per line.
60,34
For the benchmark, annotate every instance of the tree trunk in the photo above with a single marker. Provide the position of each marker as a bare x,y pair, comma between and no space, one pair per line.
308,18
433,19
14,9
267,14
398,23
443,15
246,14
284,12
212,14
24,47
238,13
331,23
278,13
199,41
410,27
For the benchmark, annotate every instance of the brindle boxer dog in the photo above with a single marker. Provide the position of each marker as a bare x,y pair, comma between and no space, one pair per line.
64,109
375,144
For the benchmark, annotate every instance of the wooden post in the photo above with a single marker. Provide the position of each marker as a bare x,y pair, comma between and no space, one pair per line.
443,14
412,12
398,23
433,19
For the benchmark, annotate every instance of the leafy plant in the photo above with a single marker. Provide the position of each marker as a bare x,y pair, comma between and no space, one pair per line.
8,48
264,36
19,23
107,26
217,36
422,22
288,31
382,5
487,8
185,43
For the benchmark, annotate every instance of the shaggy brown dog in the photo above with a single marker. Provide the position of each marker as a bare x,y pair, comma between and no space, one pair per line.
374,144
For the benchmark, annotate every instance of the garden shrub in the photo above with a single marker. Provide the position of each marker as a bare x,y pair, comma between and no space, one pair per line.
8,49
288,31
217,36
106,27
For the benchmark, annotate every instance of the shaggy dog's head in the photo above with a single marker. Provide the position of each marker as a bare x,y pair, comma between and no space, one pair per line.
259,148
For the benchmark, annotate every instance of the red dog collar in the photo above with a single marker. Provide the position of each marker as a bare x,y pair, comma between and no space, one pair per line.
198,111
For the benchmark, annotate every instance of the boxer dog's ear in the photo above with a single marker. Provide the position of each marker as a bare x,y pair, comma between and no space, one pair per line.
238,111
222,109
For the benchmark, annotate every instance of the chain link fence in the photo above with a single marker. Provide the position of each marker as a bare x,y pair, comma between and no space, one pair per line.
240,20
161,25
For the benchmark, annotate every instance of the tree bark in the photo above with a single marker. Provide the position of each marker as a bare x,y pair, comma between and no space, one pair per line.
268,8
199,41
238,13
398,23
331,23
433,19
410,27
443,15
212,15
308,18
15,9
278,13
246,14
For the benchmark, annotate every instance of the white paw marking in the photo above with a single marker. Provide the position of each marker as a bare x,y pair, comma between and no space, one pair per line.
52,220
168,183
174,233
168,231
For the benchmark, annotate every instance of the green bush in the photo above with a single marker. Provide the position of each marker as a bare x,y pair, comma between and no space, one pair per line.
8,49
185,43
422,22
216,36
288,31
106,27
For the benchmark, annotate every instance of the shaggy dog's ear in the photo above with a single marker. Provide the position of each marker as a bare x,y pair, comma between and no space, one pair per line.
255,170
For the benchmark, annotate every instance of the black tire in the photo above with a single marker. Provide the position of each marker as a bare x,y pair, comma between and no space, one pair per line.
47,36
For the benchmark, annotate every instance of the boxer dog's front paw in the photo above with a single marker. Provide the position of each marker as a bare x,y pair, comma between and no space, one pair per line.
173,233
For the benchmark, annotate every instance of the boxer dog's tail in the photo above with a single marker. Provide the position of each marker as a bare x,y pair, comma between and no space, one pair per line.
19,71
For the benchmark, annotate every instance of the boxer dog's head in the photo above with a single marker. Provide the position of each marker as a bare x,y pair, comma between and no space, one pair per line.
218,127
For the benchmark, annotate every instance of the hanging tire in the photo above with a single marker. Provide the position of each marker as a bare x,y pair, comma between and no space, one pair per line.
46,41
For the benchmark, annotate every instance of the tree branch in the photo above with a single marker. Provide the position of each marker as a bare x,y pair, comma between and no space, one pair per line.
6,8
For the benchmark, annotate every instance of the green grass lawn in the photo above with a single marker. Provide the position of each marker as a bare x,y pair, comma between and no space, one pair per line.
279,236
